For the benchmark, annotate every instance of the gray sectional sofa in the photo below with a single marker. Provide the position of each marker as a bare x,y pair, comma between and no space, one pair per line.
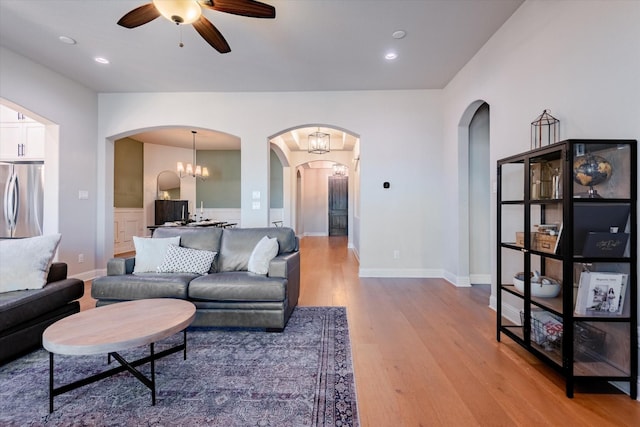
25,314
229,295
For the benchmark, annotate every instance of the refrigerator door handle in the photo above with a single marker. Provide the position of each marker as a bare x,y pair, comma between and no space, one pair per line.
12,197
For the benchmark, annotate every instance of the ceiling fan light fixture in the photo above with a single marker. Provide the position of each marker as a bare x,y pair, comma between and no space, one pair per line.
179,11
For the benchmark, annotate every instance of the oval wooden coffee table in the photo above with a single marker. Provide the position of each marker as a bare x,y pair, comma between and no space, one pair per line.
112,328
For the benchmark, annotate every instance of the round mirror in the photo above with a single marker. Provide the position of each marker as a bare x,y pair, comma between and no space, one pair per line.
168,186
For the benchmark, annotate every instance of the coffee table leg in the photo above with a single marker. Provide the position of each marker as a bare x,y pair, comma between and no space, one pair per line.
153,376
184,341
50,383
124,366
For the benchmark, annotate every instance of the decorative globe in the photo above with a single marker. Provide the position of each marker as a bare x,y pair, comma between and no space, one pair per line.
590,170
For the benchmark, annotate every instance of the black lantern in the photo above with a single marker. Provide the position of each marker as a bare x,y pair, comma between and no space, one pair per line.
545,130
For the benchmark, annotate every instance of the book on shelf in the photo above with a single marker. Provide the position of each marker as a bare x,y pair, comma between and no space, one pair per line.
556,249
601,292
605,244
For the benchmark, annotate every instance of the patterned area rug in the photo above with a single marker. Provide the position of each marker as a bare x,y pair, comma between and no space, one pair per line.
301,377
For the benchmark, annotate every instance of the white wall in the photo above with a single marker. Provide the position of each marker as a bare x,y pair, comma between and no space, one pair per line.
400,144
74,108
580,59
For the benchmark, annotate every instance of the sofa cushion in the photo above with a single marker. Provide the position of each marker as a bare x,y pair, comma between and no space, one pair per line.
24,263
186,260
203,238
237,286
150,252
19,307
141,286
238,243
262,254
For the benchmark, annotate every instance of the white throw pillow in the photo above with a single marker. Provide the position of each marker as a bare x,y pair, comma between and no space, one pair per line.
262,254
24,263
186,260
150,252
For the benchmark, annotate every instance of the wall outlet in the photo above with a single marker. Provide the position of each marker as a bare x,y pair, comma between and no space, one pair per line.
396,254
80,257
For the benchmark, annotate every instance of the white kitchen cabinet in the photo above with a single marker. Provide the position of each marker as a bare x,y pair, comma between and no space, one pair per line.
21,138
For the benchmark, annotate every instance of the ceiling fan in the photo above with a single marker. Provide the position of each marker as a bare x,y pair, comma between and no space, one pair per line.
183,12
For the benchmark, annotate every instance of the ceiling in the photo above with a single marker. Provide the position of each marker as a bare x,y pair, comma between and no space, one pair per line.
207,139
312,45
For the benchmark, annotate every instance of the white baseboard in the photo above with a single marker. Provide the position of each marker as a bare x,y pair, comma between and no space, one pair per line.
480,279
493,303
402,273
511,313
458,281
356,253
416,273
315,234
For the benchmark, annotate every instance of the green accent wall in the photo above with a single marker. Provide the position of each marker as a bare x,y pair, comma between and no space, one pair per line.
128,170
222,188
276,183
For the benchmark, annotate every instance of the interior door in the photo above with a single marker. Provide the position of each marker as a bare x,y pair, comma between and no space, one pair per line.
338,205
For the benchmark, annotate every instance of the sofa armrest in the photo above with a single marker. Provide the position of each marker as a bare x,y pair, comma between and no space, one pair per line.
57,271
120,266
287,266
284,264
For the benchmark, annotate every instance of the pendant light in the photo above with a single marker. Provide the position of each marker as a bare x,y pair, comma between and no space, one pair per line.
319,142
192,169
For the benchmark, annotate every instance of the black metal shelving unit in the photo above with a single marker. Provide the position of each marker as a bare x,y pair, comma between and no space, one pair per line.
566,212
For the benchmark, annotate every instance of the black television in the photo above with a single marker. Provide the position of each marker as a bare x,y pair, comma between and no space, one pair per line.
592,218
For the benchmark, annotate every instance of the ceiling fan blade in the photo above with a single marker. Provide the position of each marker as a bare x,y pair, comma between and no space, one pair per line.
211,34
250,8
139,16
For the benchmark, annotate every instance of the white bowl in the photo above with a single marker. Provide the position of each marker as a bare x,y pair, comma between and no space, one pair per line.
538,289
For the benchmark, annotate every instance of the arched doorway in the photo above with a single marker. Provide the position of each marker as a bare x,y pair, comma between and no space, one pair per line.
474,244
479,198
160,149
308,174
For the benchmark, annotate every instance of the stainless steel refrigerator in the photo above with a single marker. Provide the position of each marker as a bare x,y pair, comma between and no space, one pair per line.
22,186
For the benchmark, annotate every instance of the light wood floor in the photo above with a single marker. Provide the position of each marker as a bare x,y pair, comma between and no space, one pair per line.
425,353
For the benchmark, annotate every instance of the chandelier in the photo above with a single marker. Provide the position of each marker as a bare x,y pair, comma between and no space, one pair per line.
193,170
319,142
339,170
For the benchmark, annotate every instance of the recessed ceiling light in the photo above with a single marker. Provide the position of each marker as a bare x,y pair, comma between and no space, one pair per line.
390,56
101,60
66,40
399,34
